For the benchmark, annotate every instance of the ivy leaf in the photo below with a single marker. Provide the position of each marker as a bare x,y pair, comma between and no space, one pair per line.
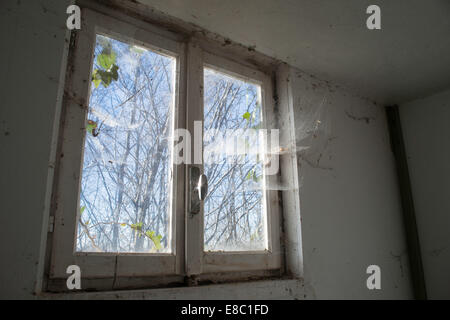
97,82
106,59
115,72
137,226
91,126
108,76
156,239
253,176
96,78
109,69
247,116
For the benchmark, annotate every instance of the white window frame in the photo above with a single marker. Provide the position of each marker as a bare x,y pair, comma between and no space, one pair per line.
108,266
107,271
201,262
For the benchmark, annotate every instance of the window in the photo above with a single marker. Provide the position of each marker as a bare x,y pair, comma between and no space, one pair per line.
123,203
234,208
126,180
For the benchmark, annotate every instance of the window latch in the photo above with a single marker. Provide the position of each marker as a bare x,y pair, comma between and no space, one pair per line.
198,185
202,187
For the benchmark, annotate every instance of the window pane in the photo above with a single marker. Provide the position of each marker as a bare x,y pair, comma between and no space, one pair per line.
234,216
125,190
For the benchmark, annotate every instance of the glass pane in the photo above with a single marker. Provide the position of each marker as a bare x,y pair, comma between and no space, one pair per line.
234,215
125,200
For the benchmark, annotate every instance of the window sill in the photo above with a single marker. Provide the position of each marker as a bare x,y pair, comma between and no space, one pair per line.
292,289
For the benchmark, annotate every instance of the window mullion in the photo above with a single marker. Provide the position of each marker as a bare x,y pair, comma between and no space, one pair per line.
194,222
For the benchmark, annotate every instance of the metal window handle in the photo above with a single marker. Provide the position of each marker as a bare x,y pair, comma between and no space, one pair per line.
198,189
202,187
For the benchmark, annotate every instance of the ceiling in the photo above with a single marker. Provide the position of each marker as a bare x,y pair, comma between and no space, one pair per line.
407,59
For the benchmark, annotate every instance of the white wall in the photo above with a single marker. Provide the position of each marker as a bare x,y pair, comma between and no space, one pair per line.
33,35
349,198
426,130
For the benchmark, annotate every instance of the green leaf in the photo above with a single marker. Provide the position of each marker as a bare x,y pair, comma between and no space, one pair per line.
247,116
91,126
137,229
82,210
256,178
252,176
108,76
96,78
115,72
109,70
106,59
156,239
157,243
137,226
97,82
